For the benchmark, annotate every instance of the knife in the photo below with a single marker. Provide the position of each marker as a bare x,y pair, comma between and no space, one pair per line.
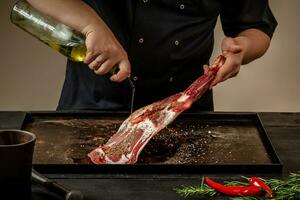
132,94
55,187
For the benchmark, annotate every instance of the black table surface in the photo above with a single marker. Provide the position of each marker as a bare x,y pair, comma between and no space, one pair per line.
283,129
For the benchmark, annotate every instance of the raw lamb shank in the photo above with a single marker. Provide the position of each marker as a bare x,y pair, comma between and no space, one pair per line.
135,132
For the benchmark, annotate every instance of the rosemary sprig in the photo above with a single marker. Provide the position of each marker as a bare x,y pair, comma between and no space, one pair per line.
283,189
200,190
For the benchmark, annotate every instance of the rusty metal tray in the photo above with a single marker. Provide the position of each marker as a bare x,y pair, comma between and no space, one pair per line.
194,142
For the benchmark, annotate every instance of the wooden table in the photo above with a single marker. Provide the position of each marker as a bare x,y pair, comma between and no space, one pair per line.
283,130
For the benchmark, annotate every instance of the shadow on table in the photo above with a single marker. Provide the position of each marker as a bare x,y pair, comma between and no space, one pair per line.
41,193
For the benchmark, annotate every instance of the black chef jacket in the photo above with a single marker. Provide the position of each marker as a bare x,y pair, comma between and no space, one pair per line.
167,42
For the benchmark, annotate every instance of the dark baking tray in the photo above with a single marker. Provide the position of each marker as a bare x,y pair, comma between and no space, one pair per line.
207,142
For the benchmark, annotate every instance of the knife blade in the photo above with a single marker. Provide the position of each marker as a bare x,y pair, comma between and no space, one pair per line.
132,94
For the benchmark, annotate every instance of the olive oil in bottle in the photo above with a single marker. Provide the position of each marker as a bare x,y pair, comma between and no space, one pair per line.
58,36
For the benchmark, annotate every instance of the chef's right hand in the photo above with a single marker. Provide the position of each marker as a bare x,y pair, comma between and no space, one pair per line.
104,52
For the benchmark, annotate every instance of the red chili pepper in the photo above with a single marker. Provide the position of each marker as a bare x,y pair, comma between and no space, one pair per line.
259,183
234,190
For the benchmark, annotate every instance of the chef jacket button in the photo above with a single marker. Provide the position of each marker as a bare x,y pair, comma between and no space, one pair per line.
171,79
141,40
145,1
176,42
181,6
135,78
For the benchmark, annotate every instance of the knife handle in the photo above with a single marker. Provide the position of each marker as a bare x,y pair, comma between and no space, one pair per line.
56,187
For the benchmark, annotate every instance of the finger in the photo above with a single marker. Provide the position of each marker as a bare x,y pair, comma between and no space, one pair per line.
95,64
230,68
229,45
219,78
106,67
231,75
225,53
234,74
222,75
205,69
213,83
123,73
234,48
89,57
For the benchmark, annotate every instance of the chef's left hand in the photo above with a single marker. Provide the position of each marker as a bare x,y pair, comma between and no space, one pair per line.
234,54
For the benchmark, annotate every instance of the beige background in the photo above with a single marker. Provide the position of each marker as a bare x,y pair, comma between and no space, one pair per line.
31,74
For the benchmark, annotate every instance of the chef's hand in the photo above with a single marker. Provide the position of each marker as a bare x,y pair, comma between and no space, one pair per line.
234,56
104,52
249,45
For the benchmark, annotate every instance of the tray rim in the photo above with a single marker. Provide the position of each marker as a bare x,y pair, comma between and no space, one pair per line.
270,168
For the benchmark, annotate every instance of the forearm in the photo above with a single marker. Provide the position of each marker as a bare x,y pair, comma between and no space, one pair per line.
254,44
74,13
103,49
246,47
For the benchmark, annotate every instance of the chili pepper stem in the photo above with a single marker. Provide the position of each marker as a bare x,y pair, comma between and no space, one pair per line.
259,183
244,177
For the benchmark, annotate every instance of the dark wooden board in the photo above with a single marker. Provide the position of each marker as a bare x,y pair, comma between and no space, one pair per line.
206,141
282,119
282,129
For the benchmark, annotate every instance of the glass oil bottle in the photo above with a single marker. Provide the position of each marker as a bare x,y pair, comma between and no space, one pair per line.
58,36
